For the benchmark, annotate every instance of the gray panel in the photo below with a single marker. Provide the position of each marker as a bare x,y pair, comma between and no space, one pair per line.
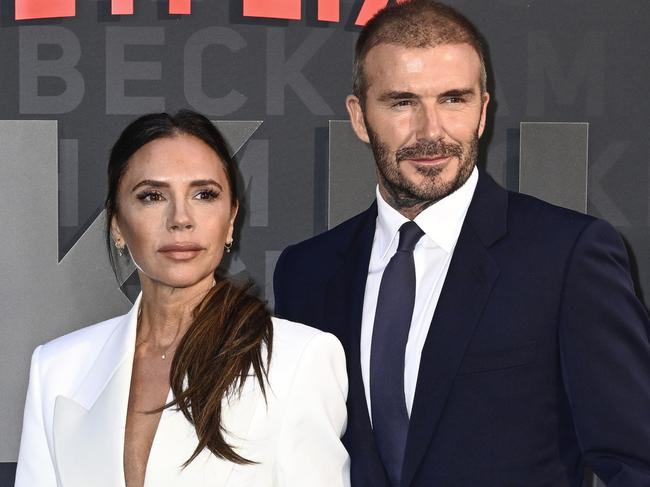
237,132
352,177
41,298
553,162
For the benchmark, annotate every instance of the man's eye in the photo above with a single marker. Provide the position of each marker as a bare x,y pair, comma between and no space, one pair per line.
150,196
207,195
455,99
403,103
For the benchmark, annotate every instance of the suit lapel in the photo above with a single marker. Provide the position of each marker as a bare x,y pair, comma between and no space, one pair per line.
88,428
472,273
346,289
343,311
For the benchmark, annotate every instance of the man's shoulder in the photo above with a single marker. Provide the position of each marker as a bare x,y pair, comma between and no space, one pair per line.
330,241
526,210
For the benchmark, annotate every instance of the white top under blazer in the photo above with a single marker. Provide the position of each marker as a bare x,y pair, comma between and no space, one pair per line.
75,416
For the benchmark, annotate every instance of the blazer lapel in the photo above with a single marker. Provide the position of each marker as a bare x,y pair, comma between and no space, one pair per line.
88,428
176,440
472,273
344,308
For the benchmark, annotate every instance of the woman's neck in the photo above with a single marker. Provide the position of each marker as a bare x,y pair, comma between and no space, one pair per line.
166,313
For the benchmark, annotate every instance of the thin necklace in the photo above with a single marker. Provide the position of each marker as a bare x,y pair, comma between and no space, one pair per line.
164,353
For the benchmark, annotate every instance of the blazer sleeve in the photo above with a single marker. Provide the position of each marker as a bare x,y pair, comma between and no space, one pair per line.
310,451
605,357
35,467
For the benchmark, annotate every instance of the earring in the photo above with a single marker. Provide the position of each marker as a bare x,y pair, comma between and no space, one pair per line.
228,246
120,249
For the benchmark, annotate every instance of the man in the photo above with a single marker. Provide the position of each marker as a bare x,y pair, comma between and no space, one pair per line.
492,339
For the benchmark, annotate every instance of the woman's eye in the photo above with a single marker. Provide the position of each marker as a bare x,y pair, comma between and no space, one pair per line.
150,196
207,195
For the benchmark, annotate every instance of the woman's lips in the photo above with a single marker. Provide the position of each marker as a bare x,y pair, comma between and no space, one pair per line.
181,250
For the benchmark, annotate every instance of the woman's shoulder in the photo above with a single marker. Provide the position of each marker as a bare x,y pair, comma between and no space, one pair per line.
297,346
292,338
77,346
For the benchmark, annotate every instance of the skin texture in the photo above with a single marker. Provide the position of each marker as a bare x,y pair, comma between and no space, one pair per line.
174,191
422,115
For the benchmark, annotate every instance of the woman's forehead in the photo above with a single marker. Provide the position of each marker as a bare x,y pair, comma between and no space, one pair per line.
181,158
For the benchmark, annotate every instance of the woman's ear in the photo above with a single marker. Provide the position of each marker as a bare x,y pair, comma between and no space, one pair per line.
116,234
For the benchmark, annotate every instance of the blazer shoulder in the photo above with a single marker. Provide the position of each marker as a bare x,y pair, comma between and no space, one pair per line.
295,344
80,346
290,339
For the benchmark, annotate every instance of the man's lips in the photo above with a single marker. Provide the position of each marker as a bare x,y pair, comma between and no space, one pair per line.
181,250
433,160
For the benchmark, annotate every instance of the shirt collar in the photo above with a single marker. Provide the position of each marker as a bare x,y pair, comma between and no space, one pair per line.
441,222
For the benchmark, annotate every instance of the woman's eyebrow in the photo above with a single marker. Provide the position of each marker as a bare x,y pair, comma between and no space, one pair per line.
205,182
162,184
151,182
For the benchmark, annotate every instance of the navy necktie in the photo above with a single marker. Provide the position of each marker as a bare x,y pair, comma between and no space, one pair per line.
390,420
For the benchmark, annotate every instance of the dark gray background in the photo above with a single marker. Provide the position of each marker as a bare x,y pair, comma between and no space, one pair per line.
550,61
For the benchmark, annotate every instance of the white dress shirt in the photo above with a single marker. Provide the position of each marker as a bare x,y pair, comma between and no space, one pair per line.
441,223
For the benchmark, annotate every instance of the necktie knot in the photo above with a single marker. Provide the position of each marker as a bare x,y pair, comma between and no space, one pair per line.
409,235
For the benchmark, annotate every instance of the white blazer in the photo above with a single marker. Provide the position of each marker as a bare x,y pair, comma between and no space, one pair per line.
75,416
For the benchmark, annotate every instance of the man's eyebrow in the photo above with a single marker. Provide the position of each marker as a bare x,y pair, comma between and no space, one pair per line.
457,93
162,184
397,95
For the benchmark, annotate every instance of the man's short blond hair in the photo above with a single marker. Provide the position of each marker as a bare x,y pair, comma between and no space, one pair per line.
415,24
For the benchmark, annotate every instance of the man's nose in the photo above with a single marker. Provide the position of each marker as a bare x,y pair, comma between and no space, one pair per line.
428,123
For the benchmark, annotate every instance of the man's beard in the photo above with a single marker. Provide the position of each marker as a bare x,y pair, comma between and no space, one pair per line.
408,194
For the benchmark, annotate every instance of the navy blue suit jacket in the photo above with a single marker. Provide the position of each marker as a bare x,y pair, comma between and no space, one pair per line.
537,361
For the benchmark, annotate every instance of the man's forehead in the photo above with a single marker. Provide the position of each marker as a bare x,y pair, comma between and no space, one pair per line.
389,49
390,63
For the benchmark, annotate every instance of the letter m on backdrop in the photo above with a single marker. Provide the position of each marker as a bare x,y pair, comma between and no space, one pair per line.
42,9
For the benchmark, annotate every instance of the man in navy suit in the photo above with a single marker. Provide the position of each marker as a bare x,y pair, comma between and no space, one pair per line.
492,339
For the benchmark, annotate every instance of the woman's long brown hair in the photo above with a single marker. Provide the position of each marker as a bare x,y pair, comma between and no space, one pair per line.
230,338
219,351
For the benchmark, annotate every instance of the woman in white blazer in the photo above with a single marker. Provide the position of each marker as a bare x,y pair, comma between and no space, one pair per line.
197,385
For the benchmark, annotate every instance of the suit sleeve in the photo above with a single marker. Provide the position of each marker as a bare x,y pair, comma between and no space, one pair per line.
280,284
605,356
310,451
35,467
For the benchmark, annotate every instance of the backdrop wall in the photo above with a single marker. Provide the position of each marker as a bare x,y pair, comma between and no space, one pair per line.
71,81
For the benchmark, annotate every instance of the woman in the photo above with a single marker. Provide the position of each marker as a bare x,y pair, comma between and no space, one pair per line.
196,385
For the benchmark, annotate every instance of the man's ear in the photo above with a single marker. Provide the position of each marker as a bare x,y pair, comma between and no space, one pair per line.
353,104
485,100
231,228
